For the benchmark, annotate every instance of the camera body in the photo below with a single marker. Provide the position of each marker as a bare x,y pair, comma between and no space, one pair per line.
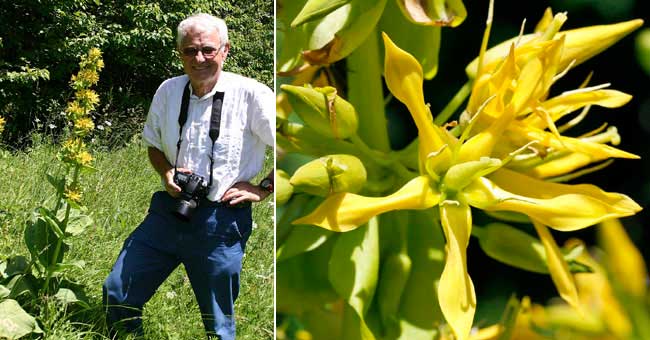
193,189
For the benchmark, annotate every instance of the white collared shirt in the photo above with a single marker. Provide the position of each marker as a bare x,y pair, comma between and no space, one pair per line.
247,127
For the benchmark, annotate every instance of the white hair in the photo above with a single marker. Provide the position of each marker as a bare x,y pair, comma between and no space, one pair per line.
204,20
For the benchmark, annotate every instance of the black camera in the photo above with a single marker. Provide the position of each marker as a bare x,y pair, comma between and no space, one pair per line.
193,189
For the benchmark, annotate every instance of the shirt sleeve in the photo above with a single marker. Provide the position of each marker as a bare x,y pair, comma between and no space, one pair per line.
263,124
151,133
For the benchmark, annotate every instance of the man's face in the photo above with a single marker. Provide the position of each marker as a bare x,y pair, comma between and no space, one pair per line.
202,54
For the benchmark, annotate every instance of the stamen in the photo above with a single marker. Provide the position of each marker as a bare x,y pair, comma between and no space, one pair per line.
564,72
474,119
518,152
549,122
594,132
521,32
610,136
575,121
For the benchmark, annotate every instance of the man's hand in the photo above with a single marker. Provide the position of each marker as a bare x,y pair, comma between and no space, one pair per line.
168,177
244,191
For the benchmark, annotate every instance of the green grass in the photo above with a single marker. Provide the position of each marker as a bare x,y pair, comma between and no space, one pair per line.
118,195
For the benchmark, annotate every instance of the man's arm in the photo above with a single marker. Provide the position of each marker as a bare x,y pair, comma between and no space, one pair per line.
165,170
245,191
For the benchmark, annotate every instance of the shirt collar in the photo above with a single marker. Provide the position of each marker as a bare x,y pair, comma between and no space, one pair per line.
221,85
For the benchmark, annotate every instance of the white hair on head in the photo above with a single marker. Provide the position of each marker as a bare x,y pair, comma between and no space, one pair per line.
203,20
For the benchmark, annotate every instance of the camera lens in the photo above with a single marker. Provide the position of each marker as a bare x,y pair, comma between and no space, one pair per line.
184,208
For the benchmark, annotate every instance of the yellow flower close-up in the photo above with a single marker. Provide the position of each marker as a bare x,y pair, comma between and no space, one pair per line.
480,163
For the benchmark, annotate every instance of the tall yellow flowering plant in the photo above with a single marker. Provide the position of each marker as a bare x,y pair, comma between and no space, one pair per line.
43,278
407,221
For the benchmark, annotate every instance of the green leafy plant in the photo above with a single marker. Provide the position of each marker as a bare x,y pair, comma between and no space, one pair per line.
26,282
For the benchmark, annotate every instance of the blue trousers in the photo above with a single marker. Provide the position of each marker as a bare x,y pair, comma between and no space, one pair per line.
210,246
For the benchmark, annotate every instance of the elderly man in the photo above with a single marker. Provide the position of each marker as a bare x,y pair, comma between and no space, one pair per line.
206,133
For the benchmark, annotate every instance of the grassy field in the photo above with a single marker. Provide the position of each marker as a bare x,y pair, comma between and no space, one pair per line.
118,195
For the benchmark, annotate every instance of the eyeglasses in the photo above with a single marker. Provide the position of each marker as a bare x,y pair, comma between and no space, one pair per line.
207,51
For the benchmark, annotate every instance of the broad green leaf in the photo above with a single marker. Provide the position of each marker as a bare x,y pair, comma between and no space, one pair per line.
4,292
15,322
302,239
78,222
14,265
57,183
291,40
316,9
419,309
423,42
61,267
513,247
41,241
66,296
302,283
354,269
53,222
342,31
20,285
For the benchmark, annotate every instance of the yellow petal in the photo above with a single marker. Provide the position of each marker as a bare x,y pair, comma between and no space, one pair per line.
623,259
562,165
558,267
404,79
586,42
456,291
344,211
560,206
559,106
580,44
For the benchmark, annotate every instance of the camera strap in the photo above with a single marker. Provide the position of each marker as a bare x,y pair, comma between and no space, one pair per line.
215,123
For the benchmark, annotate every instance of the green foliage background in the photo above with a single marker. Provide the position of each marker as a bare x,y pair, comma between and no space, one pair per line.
41,42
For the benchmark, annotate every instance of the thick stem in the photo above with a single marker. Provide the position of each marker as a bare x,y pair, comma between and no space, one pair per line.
365,93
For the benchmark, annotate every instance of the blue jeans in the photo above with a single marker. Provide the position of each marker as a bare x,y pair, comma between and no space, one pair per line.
210,246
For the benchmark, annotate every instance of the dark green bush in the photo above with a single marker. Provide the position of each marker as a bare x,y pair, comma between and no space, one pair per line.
41,42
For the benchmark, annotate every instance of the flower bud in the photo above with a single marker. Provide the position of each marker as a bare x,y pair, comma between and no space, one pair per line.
283,190
462,174
323,110
434,12
330,174
643,49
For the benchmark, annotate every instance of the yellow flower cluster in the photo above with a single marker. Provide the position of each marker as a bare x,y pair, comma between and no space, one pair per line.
73,195
73,151
83,126
84,158
87,98
85,78
74,110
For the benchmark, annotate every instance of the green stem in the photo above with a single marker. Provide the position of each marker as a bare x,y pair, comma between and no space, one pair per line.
454,104
382,159
59,242
365,93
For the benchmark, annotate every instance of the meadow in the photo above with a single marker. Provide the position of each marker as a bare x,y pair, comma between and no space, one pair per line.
117,195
